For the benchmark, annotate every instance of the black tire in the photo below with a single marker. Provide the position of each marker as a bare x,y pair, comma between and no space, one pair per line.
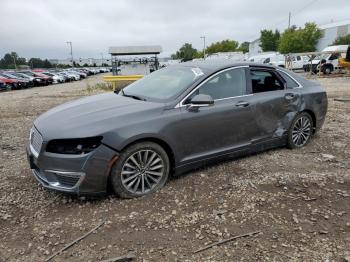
327,69
293,131
118,180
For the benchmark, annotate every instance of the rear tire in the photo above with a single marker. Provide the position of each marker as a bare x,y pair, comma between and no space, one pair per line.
300,131
141,169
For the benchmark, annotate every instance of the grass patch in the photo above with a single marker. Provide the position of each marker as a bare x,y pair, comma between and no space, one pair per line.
106,87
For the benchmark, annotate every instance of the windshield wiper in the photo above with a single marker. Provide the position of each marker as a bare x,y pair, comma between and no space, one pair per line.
132,96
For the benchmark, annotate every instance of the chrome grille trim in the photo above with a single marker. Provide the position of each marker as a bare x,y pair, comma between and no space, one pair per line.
60,180
36,141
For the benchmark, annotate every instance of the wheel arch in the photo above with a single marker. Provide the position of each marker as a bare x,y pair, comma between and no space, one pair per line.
313,116
161,142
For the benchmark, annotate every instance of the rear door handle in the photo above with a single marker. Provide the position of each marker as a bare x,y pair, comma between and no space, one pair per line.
242,104
289,96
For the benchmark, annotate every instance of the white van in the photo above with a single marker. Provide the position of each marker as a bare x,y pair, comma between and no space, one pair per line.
295,62
234,56
261,58
327,63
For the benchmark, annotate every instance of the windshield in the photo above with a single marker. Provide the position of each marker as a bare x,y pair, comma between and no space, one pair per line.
321,56
28,73
163,84
21,75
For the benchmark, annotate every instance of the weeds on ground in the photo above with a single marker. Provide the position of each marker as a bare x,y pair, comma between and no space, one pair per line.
105,87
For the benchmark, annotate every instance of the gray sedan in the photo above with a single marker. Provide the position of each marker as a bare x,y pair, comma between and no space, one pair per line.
176,119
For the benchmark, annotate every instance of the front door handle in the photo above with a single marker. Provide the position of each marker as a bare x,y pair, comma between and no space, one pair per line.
242,104
289,96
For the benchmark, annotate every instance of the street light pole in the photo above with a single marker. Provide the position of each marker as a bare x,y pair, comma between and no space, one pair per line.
71,51
102,59
289,17
203,37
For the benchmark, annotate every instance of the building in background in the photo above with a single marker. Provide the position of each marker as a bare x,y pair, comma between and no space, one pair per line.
254,47
330,32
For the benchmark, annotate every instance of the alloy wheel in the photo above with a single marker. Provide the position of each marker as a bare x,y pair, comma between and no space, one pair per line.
301,131
142,171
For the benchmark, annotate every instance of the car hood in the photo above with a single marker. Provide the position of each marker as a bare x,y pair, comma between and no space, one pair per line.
93,116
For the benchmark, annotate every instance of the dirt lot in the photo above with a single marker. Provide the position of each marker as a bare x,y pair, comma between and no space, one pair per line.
298,199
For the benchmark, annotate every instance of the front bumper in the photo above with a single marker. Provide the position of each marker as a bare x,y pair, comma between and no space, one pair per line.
78,174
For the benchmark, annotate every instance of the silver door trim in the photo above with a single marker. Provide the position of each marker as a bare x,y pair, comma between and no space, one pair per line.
296,81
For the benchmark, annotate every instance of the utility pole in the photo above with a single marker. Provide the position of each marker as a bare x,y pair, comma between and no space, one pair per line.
71,51
14,61
102,59
290,14
203,37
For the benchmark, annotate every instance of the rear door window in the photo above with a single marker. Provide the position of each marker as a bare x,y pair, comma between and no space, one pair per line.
265,81
290,82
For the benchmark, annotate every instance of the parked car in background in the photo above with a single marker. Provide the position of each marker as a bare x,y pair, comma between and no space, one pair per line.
327,62
55,77
171,121
233,56
73,75
292,62
37,81
261,57
4,86
43,79
13,83
80,73
65,76
26,83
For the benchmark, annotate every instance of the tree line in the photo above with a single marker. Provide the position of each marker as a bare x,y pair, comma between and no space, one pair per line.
188,52
292,40
13,60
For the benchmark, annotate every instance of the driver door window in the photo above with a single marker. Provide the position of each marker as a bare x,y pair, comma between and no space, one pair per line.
230,83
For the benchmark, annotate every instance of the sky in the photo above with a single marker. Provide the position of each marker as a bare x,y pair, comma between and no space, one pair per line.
40,28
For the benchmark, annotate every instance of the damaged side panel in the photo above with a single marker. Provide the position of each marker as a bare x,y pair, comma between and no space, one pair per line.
316,102
274,111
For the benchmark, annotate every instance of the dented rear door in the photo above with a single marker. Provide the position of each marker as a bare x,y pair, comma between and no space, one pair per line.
273,112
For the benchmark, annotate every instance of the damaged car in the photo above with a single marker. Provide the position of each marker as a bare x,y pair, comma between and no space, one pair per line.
176,119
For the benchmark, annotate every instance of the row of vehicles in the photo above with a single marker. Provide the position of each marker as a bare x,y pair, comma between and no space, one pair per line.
15,80
326,61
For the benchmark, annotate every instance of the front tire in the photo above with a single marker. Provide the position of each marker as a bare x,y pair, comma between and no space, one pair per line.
141,169
327,69
300,131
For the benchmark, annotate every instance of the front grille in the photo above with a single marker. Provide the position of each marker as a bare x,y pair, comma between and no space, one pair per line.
67,181
36,140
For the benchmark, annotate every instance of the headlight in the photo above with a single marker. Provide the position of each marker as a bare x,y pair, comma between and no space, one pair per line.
74,146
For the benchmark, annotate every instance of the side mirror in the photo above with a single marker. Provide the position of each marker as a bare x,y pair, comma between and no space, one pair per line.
201,101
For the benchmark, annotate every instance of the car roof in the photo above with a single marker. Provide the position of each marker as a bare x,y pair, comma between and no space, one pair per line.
217,64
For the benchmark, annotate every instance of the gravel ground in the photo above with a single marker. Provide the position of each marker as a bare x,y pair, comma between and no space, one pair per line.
298,199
